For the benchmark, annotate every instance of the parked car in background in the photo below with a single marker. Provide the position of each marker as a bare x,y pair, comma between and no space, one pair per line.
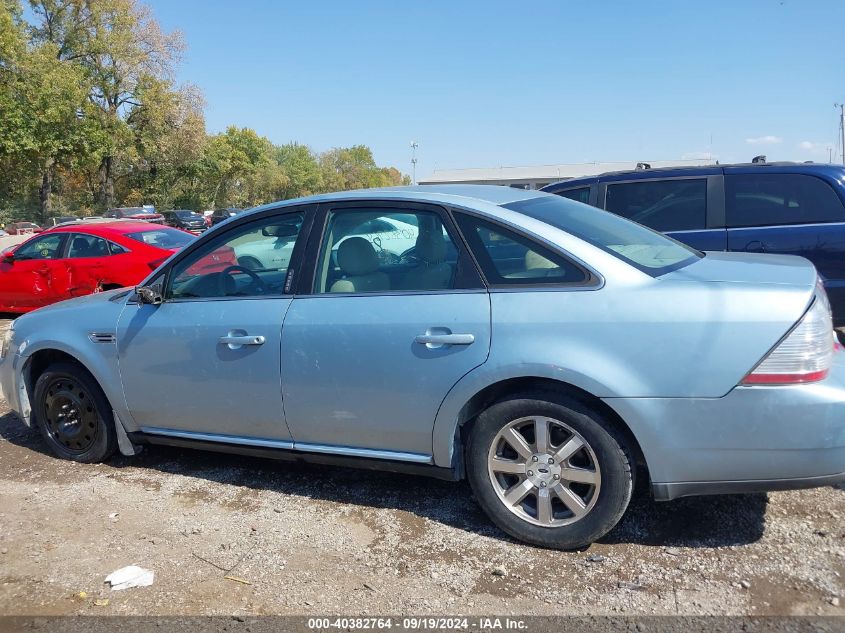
788,208
146,214
218,215
541,348
392,238
22,228
56,220
78,259
185,220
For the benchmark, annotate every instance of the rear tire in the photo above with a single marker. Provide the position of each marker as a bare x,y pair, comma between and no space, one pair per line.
548,470
73,415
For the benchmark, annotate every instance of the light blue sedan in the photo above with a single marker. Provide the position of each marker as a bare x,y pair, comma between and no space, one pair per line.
543,349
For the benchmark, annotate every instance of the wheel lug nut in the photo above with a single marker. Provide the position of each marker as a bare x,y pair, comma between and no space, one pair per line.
530,473
551,461
542,484
534,458
557,476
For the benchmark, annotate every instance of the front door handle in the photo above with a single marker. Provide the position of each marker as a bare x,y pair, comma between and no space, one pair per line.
237,341
435,340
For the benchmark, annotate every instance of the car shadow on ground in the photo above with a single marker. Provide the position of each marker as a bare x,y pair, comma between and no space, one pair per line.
714,521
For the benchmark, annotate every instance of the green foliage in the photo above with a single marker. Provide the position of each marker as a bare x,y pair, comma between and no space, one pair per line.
91,118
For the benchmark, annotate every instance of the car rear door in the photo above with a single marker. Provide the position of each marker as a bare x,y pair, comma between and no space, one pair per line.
689,208
376,339
86,262
789,213
205,364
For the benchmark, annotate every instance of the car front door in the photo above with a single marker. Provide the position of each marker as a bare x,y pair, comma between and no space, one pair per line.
34,276
205,363
381,332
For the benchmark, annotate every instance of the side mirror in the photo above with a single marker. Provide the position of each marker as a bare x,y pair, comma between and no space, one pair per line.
151,295
9,257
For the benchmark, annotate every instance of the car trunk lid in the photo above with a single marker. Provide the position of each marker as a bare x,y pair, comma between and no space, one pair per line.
748,268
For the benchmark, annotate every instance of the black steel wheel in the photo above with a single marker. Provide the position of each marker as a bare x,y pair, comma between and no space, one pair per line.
73,415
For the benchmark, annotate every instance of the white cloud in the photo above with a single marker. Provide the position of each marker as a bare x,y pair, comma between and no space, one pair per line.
764,140
808,145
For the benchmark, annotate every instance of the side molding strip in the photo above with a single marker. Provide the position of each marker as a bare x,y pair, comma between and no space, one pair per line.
417,458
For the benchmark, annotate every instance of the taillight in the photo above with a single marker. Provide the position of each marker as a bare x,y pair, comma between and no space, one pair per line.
157,262
805,354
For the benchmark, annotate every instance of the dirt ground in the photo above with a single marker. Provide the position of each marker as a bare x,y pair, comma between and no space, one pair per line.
309,540
298,539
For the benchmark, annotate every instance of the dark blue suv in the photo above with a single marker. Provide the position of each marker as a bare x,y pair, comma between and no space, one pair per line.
790,208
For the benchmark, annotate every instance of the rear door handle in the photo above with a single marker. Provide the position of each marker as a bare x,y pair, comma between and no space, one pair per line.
234,342
433,340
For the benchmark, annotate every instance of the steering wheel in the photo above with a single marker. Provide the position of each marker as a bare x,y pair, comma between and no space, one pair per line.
260,286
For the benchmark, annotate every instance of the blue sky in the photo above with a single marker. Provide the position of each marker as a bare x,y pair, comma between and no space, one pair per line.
483,84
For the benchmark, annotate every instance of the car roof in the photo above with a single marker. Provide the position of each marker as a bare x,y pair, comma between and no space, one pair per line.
444,194
781,167
104,229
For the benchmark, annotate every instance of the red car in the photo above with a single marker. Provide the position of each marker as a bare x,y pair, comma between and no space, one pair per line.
147,214
74,260
23,228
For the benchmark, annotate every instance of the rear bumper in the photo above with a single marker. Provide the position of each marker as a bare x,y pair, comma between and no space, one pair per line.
752,439
669,491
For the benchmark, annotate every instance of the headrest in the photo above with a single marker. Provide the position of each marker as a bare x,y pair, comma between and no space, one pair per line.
534,260
356,256
431,248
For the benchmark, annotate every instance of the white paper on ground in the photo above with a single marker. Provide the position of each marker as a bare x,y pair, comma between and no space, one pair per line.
128,577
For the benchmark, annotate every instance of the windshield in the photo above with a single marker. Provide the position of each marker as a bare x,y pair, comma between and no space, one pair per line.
188,215
163,237
644,249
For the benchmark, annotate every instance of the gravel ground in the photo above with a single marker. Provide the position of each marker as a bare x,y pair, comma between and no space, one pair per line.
299,539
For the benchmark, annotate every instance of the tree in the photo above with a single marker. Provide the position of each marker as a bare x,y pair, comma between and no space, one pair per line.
43,102
121,48
169,136
302,168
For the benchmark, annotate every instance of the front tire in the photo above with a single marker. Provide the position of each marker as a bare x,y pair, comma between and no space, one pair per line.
548,470
73,414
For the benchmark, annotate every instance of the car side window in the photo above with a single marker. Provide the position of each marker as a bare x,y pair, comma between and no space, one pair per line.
508,258
117,249
46,247
581,194
678,204
82,245
384,250
251,260
778,199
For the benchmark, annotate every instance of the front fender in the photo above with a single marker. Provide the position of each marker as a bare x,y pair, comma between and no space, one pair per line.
100,359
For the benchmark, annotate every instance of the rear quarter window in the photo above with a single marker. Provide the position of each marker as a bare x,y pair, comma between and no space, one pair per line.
780,199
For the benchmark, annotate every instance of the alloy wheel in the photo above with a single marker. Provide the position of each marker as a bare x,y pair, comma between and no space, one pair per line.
544,471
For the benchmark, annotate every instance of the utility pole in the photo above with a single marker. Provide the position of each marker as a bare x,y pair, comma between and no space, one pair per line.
841,107
414,146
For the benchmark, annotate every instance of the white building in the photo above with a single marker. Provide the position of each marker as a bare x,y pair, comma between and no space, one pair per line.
535,177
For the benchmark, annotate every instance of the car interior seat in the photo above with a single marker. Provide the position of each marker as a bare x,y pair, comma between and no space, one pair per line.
359,264
433,272
80,247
